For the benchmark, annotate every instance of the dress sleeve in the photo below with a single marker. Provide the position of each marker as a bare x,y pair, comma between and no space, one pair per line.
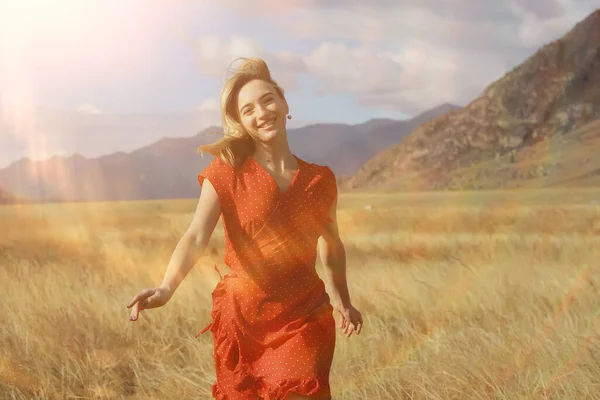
216,173
331,190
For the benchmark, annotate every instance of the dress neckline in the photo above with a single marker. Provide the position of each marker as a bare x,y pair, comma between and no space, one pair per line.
273,181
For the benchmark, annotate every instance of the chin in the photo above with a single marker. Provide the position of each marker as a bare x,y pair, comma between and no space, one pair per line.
269,135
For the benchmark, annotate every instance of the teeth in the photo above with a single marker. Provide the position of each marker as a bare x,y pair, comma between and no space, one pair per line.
269,124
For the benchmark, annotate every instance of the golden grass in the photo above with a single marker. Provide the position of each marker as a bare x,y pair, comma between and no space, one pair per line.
468,295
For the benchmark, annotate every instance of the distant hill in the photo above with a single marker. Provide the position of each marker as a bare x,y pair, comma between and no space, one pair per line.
7,198
168,168
528,128
347,159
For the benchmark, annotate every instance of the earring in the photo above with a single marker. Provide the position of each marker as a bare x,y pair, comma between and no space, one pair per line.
289,117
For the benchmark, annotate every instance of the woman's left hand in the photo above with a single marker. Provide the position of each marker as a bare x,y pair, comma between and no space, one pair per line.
350,319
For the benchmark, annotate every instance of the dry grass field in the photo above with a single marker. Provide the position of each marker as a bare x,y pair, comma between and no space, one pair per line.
465,295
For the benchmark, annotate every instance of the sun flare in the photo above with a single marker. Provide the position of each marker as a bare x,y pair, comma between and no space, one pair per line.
70,47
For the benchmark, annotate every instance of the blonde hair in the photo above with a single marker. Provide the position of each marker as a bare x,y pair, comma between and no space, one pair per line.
236,144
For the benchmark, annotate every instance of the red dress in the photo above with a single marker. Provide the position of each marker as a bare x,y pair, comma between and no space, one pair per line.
272,320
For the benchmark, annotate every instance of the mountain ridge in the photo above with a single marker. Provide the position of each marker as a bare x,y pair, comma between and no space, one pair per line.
167,167
553,92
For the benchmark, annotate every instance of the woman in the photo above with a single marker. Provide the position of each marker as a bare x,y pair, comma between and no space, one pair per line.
272,322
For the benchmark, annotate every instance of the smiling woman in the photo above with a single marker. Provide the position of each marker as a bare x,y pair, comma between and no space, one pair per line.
272,319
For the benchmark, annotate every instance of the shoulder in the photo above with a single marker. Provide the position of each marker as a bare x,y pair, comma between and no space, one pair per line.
319,170
321,177
218,172
217,162
218,165
324,173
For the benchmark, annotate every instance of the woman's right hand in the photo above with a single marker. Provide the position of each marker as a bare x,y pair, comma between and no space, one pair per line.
148,298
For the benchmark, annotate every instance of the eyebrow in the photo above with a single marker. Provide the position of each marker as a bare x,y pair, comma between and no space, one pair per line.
261,97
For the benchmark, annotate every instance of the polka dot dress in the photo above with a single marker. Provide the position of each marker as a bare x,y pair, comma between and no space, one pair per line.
272,320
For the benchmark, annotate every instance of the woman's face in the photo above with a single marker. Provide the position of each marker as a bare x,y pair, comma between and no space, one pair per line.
262,111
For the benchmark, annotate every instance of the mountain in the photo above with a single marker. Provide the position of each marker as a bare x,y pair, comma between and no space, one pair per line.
347,159
7,198
42,132
168,167
510,130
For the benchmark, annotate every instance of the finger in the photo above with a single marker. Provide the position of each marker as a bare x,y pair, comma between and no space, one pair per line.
135,312
141,294
350,331
133,301
138,306
347,327
359,327
342,321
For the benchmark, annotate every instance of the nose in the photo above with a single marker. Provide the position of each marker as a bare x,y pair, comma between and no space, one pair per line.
261,111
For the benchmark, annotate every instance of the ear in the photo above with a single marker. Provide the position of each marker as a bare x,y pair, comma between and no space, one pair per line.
287,107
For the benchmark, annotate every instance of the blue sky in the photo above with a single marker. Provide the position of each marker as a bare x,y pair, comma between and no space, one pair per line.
339,61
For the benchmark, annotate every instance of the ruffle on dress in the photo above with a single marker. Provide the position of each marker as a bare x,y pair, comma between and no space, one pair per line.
274,391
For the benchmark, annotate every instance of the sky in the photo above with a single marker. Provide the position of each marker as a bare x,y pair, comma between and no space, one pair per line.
67,61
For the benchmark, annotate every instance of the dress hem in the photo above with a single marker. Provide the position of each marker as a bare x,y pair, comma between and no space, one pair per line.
278,390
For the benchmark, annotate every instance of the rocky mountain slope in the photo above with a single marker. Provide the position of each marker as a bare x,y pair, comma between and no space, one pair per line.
549,99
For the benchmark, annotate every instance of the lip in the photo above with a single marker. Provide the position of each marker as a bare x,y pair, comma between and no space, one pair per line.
271,123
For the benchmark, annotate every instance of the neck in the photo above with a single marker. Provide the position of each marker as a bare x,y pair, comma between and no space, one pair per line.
278,158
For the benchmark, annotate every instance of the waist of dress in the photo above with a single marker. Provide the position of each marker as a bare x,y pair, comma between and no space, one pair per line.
271,282
274,270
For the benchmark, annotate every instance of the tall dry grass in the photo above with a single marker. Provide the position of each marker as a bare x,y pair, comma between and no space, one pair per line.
465,296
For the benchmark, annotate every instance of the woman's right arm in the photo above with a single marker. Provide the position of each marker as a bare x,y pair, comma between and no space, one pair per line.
194,241
190,248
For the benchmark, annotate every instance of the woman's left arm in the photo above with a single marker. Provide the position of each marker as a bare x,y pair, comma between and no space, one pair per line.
333,256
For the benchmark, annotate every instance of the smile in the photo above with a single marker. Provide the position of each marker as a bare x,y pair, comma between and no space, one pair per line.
269,124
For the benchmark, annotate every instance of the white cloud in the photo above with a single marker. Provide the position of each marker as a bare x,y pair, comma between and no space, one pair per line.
537,29
410,79
466,23
418,77
209,105
403,55
208,113
216,54
345,69
87,108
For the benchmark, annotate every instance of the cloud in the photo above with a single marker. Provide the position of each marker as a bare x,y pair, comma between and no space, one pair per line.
344,69
216,54
416,77
466,10
87,108
537,28
208,113
502,25
404,56
209,105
